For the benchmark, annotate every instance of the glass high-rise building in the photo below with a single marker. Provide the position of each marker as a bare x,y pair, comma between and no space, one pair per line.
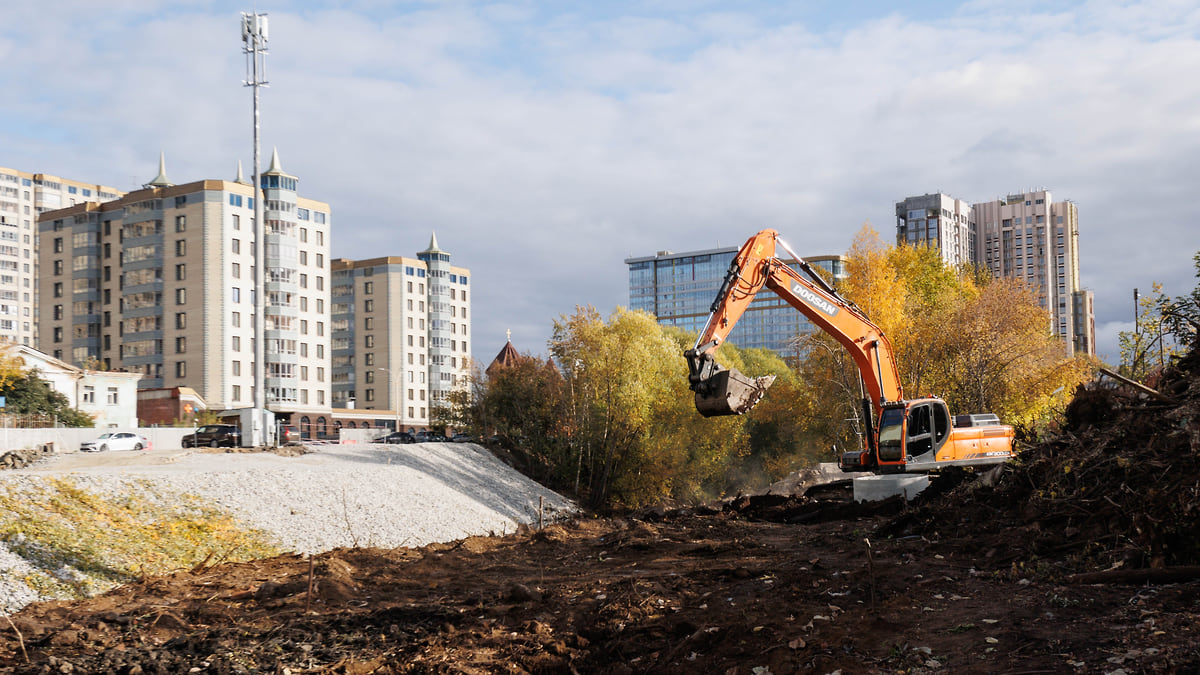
679,289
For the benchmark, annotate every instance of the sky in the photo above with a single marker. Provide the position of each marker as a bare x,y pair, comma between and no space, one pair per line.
545,142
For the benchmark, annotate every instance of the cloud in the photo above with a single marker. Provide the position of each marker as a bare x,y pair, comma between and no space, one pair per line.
546,146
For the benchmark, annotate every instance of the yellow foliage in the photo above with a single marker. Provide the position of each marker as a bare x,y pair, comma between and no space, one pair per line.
107,540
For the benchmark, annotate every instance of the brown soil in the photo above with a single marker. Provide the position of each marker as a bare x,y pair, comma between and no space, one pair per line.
1081,556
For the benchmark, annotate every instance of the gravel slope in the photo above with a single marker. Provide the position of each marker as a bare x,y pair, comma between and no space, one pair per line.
335,495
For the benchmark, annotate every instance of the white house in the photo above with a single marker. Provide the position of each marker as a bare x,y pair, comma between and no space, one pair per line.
110,398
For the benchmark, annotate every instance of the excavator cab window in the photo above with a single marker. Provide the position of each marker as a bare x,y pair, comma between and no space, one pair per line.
920,430
941,424
891,435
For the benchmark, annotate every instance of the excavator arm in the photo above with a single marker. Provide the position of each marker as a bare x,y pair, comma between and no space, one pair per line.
721,391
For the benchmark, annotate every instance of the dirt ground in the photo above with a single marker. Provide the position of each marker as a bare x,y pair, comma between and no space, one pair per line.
1082,555
737,590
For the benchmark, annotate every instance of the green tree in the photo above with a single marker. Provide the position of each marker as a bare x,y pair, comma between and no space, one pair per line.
1153,342
29,394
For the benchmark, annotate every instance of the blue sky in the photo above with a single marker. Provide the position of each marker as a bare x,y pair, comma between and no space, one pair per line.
545,142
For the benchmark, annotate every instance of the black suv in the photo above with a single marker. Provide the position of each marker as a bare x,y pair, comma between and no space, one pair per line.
214,436
397,437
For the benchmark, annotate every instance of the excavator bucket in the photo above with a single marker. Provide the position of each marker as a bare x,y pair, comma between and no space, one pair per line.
728,392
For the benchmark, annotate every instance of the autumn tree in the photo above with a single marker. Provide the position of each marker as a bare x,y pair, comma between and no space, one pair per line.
983,345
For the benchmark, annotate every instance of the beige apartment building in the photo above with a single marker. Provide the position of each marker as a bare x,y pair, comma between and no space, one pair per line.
1030,236
1026,236
161,282
401,334
23,197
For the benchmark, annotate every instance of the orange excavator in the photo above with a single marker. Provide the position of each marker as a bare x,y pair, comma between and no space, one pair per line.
902,435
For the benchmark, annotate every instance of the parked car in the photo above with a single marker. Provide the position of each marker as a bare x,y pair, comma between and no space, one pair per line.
461,438
289,435
116,440
214,436
430,437
398,437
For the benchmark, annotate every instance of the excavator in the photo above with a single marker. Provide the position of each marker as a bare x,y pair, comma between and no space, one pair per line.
901,435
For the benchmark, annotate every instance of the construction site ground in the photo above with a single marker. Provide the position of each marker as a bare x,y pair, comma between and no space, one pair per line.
740,590
1082,555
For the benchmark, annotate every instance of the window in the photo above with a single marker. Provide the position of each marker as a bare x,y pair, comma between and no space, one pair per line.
237,388
236,344
320,260
370,394
237,271
180,272
320,283
235,245
181,296
180,320
180,223
303,257
369,341
237,367
320,328
237,222
369,324
304,327
58,289
320,238
89,394
368,305
58,244
236,293
112,398
320,374
369,287
303,281
181,369
180,345
180,247
58,267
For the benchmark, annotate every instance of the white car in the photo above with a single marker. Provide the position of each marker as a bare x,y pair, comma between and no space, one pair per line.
116,440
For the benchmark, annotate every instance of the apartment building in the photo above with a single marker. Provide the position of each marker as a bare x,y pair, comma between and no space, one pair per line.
23,197
161,282
1030,236
401,334
940,221
1026,236
679,288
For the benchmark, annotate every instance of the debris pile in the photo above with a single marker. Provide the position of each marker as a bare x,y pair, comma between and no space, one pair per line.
1116,486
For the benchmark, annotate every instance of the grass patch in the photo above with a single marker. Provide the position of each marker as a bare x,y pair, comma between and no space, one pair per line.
80,542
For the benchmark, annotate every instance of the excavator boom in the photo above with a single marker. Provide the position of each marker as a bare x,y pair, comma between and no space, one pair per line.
728,392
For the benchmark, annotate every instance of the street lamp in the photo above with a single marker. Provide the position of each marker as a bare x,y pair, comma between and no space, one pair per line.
395,399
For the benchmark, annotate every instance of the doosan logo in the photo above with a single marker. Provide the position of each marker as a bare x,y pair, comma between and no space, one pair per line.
815,300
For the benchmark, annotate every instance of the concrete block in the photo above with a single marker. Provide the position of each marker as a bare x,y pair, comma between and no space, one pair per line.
877,488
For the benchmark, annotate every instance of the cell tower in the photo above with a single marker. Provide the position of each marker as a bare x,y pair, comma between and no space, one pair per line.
254,46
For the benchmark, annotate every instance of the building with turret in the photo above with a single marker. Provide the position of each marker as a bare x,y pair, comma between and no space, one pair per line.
160,281
401,334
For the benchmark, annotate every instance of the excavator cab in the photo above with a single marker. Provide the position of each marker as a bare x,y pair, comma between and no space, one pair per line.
722,391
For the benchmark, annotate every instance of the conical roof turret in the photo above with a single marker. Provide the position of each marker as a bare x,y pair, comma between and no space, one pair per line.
276,168
161,179
433,245
241,178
